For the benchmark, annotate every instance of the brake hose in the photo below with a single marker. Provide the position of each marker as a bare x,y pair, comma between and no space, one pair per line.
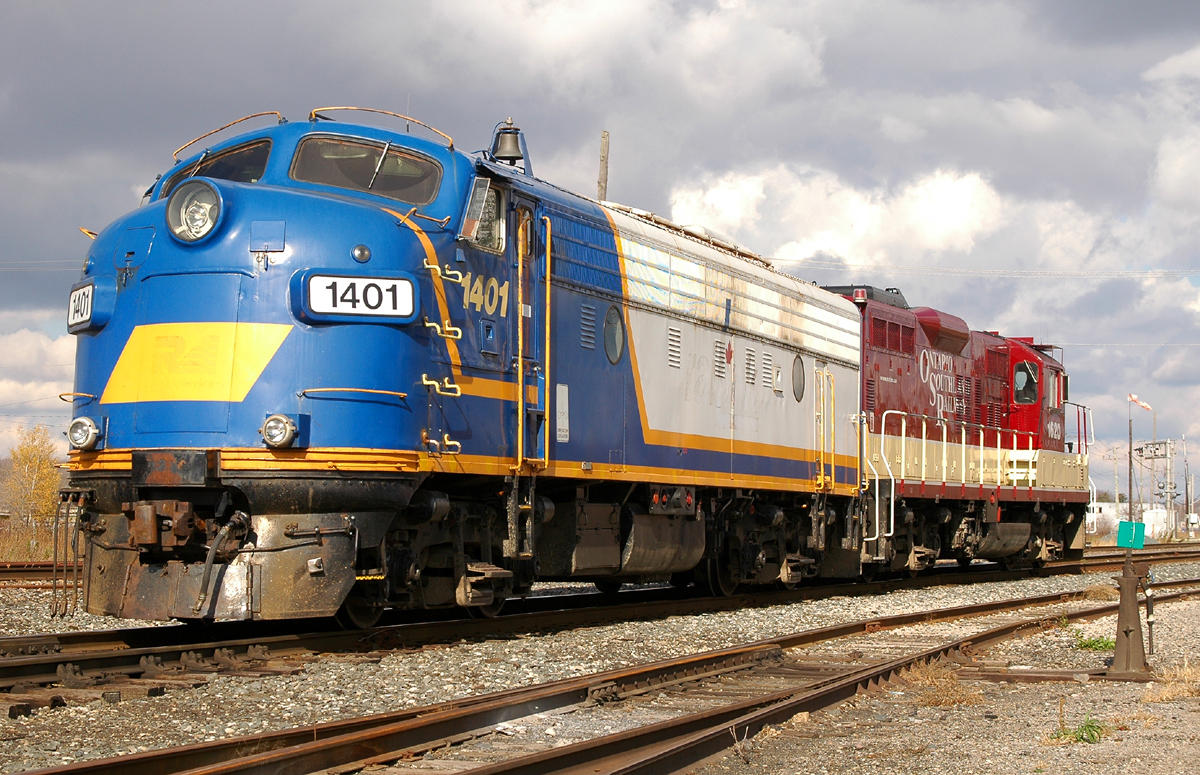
238,522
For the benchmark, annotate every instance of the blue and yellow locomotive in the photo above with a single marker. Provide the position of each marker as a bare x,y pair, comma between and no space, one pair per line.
332,368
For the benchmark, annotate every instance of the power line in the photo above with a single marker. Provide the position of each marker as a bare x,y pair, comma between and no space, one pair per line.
946,271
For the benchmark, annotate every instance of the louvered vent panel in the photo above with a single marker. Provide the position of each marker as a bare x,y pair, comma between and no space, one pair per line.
893,336
719,366
767,373
997,363
587,326
869,395
751,371
674,347
908,340
879,333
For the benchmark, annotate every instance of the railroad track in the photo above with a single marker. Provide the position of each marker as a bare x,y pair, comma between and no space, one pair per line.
715,697
33,571
140,660
44,571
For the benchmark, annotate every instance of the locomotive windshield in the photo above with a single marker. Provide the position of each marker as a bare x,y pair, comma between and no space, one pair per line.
244,164
362,165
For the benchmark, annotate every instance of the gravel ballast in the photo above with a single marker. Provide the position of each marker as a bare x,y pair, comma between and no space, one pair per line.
335,688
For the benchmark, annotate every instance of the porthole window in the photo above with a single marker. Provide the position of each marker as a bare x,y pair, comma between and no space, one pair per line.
614,335
798,378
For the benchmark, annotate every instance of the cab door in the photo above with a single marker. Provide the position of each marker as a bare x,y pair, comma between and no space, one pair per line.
529,327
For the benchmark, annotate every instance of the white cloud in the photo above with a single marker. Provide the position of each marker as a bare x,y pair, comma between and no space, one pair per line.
1185,65
1177,171
813,212
34,370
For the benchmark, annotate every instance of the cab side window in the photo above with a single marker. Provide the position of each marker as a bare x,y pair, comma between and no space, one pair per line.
490,235
1025,379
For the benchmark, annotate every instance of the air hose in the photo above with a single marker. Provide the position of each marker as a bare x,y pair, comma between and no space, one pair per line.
239,522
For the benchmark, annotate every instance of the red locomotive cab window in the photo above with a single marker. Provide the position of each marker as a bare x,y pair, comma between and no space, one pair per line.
1053,389
1025,383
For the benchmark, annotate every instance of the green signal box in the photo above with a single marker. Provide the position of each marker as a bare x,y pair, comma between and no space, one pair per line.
1131,535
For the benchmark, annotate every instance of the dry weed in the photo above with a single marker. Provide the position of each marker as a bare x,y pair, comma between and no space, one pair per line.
1102,592
939,687
1147,720
1174,683
21,542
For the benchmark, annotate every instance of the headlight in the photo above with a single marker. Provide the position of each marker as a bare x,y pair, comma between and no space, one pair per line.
83,433
193,210
278,431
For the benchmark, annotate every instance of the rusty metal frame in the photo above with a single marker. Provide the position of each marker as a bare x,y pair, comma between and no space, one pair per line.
274,113
315,114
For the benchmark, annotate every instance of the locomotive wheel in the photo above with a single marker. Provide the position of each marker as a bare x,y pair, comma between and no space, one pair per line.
489,611
357,615
607,587
713,578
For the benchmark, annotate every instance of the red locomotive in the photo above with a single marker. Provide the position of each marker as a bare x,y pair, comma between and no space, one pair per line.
966,443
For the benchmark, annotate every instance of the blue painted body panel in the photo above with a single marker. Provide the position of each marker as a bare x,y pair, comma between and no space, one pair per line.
276,228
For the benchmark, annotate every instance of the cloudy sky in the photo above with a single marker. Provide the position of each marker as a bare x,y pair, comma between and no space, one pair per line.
1033,167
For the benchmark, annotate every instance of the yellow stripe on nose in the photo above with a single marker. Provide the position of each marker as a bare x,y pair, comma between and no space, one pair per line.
193,361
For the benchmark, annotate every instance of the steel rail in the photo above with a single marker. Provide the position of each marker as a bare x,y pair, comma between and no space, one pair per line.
679,744
97,653
30,571
391,736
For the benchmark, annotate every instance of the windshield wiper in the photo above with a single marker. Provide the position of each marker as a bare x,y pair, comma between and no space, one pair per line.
199,161
379,165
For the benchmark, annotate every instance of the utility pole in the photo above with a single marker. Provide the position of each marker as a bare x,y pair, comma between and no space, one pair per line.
602,183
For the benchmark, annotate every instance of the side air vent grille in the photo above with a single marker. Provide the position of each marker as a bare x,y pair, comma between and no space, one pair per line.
587,327
751,371
719,365
674,348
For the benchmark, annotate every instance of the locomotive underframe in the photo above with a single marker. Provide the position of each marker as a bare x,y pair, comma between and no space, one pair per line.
145,557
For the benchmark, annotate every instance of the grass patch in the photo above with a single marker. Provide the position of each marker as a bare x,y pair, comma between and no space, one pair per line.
1174,683
1090,731
938,686
1098,643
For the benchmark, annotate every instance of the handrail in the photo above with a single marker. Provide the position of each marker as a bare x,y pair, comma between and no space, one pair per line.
962,477
546,355
832,427
70,397
862,425
451,389
274,113
315,114
892,478
307,391
522,232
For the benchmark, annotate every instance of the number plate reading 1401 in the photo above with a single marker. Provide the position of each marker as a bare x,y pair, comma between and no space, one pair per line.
378,296
79,309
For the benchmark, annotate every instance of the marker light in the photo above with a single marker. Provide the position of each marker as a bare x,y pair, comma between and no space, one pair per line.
278,431
193,210
82,433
